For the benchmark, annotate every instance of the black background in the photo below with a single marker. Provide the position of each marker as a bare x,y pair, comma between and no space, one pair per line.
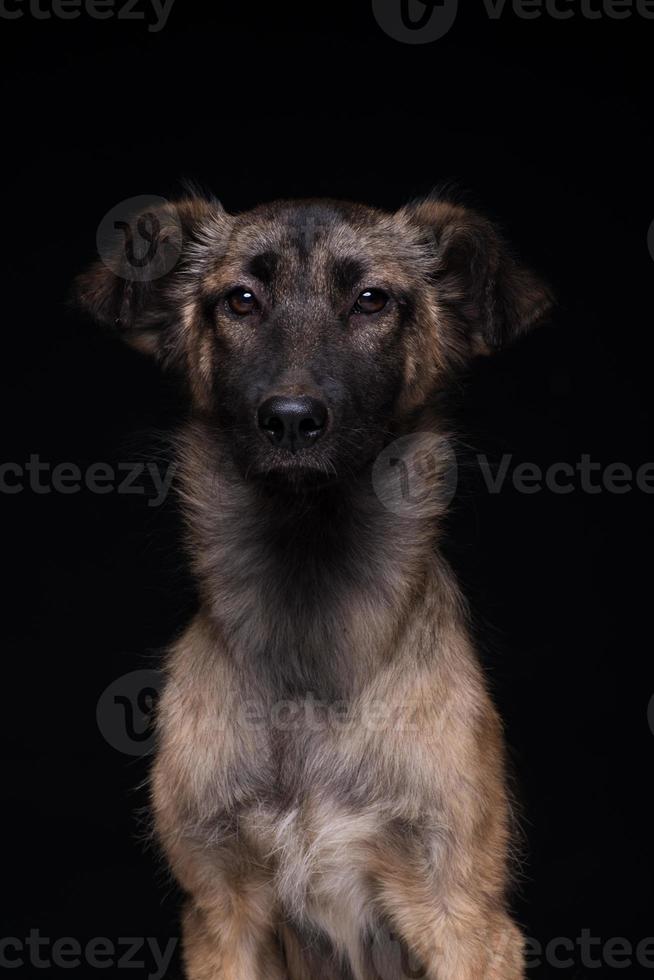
547,126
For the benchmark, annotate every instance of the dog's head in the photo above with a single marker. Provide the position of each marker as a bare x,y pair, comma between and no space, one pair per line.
312,331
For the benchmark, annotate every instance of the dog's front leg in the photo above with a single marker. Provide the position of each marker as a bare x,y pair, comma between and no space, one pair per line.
230,926
448,937
232,940
230,923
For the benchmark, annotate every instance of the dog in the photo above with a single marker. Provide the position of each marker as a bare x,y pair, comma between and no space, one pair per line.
329,786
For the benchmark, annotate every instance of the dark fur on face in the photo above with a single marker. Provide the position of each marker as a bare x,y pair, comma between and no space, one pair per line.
310,335
450,289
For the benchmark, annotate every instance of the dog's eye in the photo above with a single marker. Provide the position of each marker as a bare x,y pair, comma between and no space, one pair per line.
371,301
242,302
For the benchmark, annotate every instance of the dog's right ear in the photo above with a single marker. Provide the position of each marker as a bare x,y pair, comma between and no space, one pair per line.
136,287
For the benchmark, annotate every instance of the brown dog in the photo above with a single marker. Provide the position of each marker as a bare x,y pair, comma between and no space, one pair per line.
329,787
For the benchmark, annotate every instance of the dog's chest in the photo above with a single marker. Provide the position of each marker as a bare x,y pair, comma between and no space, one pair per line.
319,849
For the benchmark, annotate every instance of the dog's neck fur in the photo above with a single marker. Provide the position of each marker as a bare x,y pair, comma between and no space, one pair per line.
295,581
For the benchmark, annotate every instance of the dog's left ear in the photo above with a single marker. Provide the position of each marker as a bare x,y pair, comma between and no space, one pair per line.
492,296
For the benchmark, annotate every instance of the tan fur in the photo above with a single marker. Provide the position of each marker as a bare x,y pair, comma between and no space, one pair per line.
340,863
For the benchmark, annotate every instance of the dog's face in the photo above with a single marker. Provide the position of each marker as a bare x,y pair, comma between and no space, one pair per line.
311,332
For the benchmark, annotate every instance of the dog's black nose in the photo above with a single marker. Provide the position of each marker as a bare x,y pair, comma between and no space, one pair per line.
292,423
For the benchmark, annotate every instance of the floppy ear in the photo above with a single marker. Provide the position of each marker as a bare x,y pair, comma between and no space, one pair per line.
492,296
136,287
